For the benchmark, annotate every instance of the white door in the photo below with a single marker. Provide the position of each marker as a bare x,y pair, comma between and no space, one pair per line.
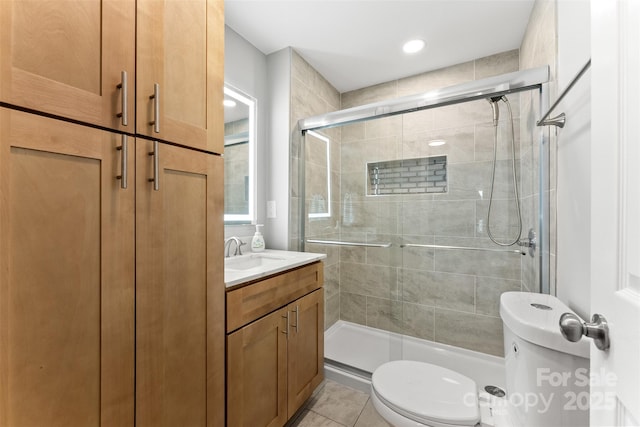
615,209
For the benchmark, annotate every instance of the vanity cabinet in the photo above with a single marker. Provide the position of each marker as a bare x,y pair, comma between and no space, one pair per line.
112,298
305,349
257,373
275,346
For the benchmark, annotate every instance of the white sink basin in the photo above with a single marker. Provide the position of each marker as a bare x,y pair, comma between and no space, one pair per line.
243,268
250,261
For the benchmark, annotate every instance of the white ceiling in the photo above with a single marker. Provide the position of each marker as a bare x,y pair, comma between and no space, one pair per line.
358,43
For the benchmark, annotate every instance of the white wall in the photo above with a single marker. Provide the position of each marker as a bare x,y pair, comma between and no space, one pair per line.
573,157
267,78
279,186
245,68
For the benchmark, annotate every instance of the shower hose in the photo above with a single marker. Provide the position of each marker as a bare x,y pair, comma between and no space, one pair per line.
493,174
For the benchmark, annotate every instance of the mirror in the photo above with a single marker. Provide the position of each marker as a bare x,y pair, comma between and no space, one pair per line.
318,174
239,157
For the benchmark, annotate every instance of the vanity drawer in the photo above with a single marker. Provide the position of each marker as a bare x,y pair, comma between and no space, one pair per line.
256,299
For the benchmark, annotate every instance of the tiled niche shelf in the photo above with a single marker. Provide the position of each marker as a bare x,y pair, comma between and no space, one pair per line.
408,176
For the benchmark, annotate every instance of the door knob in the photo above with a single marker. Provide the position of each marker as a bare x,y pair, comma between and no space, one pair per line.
573,328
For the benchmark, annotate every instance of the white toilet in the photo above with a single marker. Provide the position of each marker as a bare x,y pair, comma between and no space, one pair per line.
545,375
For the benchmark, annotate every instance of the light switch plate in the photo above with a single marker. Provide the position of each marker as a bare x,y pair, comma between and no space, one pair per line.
271,209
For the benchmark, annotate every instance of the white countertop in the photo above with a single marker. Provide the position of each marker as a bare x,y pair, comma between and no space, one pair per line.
254,265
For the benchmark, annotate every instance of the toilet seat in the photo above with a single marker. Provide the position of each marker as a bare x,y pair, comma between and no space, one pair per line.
426,393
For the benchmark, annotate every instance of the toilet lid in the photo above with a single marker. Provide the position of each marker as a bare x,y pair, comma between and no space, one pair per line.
425,392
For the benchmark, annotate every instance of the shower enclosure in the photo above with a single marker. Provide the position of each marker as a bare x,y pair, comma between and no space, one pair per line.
398,194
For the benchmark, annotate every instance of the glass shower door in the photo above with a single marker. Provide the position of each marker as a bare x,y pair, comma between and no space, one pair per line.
358,232
401,203
452,274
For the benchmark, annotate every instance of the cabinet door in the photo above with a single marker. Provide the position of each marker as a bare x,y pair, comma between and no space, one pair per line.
179,287
66,58
66,275
180,73
305,348
257,373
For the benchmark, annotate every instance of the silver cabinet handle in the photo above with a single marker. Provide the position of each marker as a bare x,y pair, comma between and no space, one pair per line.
286,332
156,166
125,95
297,311
156,108
123,158
573,328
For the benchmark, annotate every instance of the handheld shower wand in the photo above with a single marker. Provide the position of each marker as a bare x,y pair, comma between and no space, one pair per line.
496,115
494,107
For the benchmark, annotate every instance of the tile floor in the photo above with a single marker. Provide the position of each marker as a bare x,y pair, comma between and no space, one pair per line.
336,405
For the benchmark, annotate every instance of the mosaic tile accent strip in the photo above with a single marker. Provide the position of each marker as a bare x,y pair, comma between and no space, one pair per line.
408,176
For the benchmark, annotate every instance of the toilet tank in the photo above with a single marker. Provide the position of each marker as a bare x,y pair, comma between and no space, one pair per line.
547,377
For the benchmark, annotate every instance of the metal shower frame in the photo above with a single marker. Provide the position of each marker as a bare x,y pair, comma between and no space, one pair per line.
518,81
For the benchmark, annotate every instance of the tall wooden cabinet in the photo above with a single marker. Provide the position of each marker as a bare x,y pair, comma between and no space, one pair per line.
67,275
179,287
68,59
180,71
89,60
68,257
111,298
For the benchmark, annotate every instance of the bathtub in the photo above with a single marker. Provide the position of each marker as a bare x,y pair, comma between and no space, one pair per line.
352,352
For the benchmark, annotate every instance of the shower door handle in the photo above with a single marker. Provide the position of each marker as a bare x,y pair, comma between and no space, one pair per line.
573,328
341,243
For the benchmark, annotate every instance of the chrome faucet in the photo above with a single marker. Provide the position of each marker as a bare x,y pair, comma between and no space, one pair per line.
227,246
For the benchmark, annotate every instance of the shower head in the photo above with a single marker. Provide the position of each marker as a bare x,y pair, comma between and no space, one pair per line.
494,107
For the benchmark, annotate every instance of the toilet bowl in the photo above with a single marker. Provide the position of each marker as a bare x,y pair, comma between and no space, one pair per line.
408,393
416,394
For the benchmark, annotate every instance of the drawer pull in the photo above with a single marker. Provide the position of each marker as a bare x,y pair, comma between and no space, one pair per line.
286,332
156,108
123,85
297,311
156,167
123,155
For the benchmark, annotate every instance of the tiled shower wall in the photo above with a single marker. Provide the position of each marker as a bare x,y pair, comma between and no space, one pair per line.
449,296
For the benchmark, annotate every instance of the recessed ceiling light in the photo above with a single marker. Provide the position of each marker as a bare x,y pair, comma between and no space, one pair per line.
437,142
413,46
229,103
